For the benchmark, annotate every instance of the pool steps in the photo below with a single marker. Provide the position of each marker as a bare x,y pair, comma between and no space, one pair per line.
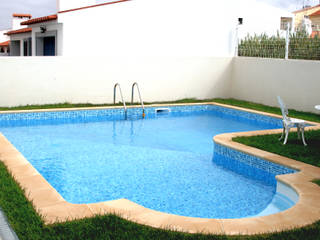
114,98
140,98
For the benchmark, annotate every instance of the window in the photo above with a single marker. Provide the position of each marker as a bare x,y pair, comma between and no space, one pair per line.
284,23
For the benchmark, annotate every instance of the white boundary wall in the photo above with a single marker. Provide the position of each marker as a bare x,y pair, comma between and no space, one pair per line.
43,80
261,80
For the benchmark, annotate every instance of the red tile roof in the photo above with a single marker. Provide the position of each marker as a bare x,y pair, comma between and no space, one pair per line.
317,13
55,16
40,19
21,15
23,30
92,6
5,44
308,8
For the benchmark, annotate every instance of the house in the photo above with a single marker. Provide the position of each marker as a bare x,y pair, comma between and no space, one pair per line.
261,18
38,38
306,16
315,19
5,39
145,28
4,43
4,48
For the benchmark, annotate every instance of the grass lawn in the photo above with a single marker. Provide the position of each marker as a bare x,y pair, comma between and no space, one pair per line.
293,149
28,224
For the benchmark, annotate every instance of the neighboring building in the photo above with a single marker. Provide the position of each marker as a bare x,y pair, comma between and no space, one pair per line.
20,42
315,19
262,18
306,15
4,48
4,43
5,39
40,38
146,27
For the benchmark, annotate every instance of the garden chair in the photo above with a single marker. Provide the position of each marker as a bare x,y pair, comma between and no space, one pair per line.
290,123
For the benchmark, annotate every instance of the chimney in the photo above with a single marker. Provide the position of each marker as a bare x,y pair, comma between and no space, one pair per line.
63,5
17,18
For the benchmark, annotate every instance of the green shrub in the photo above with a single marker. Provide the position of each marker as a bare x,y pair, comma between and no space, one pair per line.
301,46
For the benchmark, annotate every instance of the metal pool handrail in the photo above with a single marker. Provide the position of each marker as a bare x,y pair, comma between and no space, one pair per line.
140,98
114,98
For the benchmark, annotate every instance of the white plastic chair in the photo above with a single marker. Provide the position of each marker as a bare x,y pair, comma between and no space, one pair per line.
290,122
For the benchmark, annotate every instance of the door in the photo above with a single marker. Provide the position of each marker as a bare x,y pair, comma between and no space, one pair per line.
49,46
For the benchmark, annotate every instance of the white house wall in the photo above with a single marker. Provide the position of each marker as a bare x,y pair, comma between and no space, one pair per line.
16,22
63,5
165,27
3,37
150,28
259,18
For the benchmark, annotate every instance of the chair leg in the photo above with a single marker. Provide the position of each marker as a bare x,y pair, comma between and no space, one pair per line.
298,131
283,130
302,135
286,137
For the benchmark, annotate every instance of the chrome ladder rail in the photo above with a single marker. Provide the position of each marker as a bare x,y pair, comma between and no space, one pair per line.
114,98
140,98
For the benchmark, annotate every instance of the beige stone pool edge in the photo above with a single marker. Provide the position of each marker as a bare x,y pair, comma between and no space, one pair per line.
53,208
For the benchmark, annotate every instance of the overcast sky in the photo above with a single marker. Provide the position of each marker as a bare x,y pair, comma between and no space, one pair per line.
39,8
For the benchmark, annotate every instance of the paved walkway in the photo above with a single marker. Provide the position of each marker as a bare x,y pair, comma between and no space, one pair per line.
6,232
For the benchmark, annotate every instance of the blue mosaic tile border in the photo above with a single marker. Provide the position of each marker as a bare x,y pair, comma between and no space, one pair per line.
248,165
9,119
238,114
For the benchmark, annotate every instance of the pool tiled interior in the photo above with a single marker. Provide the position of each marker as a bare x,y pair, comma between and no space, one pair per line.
48,202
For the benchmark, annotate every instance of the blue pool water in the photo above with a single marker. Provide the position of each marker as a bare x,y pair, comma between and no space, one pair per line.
165,162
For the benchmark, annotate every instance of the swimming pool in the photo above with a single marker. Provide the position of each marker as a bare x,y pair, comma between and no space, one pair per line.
166,162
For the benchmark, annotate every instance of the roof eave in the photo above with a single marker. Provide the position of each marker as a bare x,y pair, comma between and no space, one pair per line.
40,20
92,6
19,31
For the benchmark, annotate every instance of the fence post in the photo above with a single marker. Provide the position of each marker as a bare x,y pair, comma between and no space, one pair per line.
287,41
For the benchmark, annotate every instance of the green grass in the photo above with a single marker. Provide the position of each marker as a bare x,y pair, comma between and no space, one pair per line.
316,181
29,225
293,149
